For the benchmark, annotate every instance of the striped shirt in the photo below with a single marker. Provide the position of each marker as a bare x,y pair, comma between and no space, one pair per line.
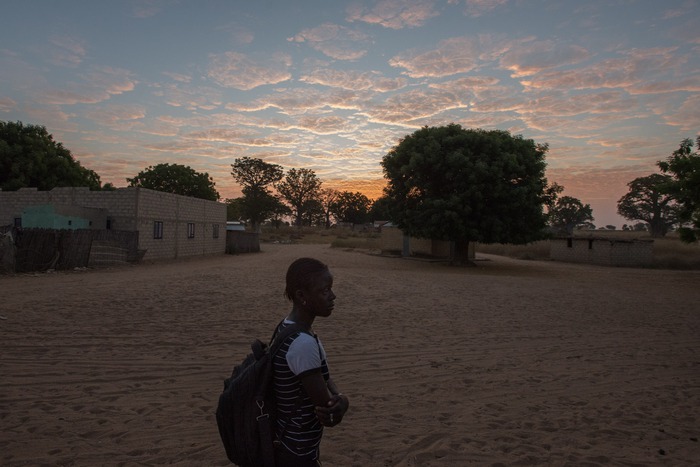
297,428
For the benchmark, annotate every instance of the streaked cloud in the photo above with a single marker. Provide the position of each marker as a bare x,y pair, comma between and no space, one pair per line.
148,8
628,71
300,100
405,108
239,71
67,51
7,104
687,116
335,41
476,8
353,80
179,77
96,85
118,117
189,97
528,57
449,57
394,14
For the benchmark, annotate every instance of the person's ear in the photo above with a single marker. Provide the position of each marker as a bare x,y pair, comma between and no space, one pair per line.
299,296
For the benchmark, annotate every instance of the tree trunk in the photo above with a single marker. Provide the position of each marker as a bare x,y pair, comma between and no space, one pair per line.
459,253
657,227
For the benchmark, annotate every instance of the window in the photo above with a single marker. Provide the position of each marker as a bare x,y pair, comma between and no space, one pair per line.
590,244
569,242
215,230
158,230
109,224
18,222
190,230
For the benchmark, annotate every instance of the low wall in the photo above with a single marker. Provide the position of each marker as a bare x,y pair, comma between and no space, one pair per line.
392,240
603,251
33,250
242,242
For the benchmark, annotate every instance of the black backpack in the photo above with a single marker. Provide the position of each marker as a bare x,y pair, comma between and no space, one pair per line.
246,410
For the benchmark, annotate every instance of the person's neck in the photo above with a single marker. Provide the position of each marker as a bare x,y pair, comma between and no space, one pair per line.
298,316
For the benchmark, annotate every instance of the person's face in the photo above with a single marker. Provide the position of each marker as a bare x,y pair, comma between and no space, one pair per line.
319,296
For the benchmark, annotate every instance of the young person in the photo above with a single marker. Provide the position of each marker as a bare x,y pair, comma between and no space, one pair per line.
307,397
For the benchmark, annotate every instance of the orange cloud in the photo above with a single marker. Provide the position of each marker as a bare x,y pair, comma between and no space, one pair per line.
394,14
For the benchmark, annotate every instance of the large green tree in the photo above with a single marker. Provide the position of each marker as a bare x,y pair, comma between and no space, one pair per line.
351,207
298,188
381,209
256,176
450,183
568,213
684,168
314,213
178,179
256,207
647,201
234,209
29,157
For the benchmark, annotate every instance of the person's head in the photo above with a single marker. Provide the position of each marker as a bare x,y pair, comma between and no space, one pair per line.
309,286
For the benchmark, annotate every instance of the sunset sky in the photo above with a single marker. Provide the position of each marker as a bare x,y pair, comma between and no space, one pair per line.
612,86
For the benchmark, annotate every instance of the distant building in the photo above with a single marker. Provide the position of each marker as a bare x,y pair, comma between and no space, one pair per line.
603,251
169,225
394,240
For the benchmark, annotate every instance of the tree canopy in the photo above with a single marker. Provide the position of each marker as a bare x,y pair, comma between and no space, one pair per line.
327,197
647,201
684,168
450,183
255,176
351,207
255,173
299,187
29,157
177,179
569,212
381,209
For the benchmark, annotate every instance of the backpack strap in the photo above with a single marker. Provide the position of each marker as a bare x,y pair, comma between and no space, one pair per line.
279,336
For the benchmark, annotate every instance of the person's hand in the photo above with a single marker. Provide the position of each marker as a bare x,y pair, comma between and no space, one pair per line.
332,414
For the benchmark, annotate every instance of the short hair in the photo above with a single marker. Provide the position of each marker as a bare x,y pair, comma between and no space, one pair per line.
300,273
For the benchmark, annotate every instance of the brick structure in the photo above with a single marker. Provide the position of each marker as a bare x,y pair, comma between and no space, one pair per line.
393,239
169,226
603,251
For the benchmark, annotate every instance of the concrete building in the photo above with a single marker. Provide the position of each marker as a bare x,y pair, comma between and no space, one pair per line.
603,251
394,240
169,226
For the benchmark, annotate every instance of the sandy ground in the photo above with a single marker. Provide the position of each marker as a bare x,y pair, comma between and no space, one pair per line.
507,363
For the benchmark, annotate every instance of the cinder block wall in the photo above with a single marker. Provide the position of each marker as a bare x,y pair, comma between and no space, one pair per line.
177,213
607,252
137,209
391,239
633,254
120,204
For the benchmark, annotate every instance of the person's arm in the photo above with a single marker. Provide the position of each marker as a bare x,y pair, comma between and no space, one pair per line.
331,413
330,404
316,387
